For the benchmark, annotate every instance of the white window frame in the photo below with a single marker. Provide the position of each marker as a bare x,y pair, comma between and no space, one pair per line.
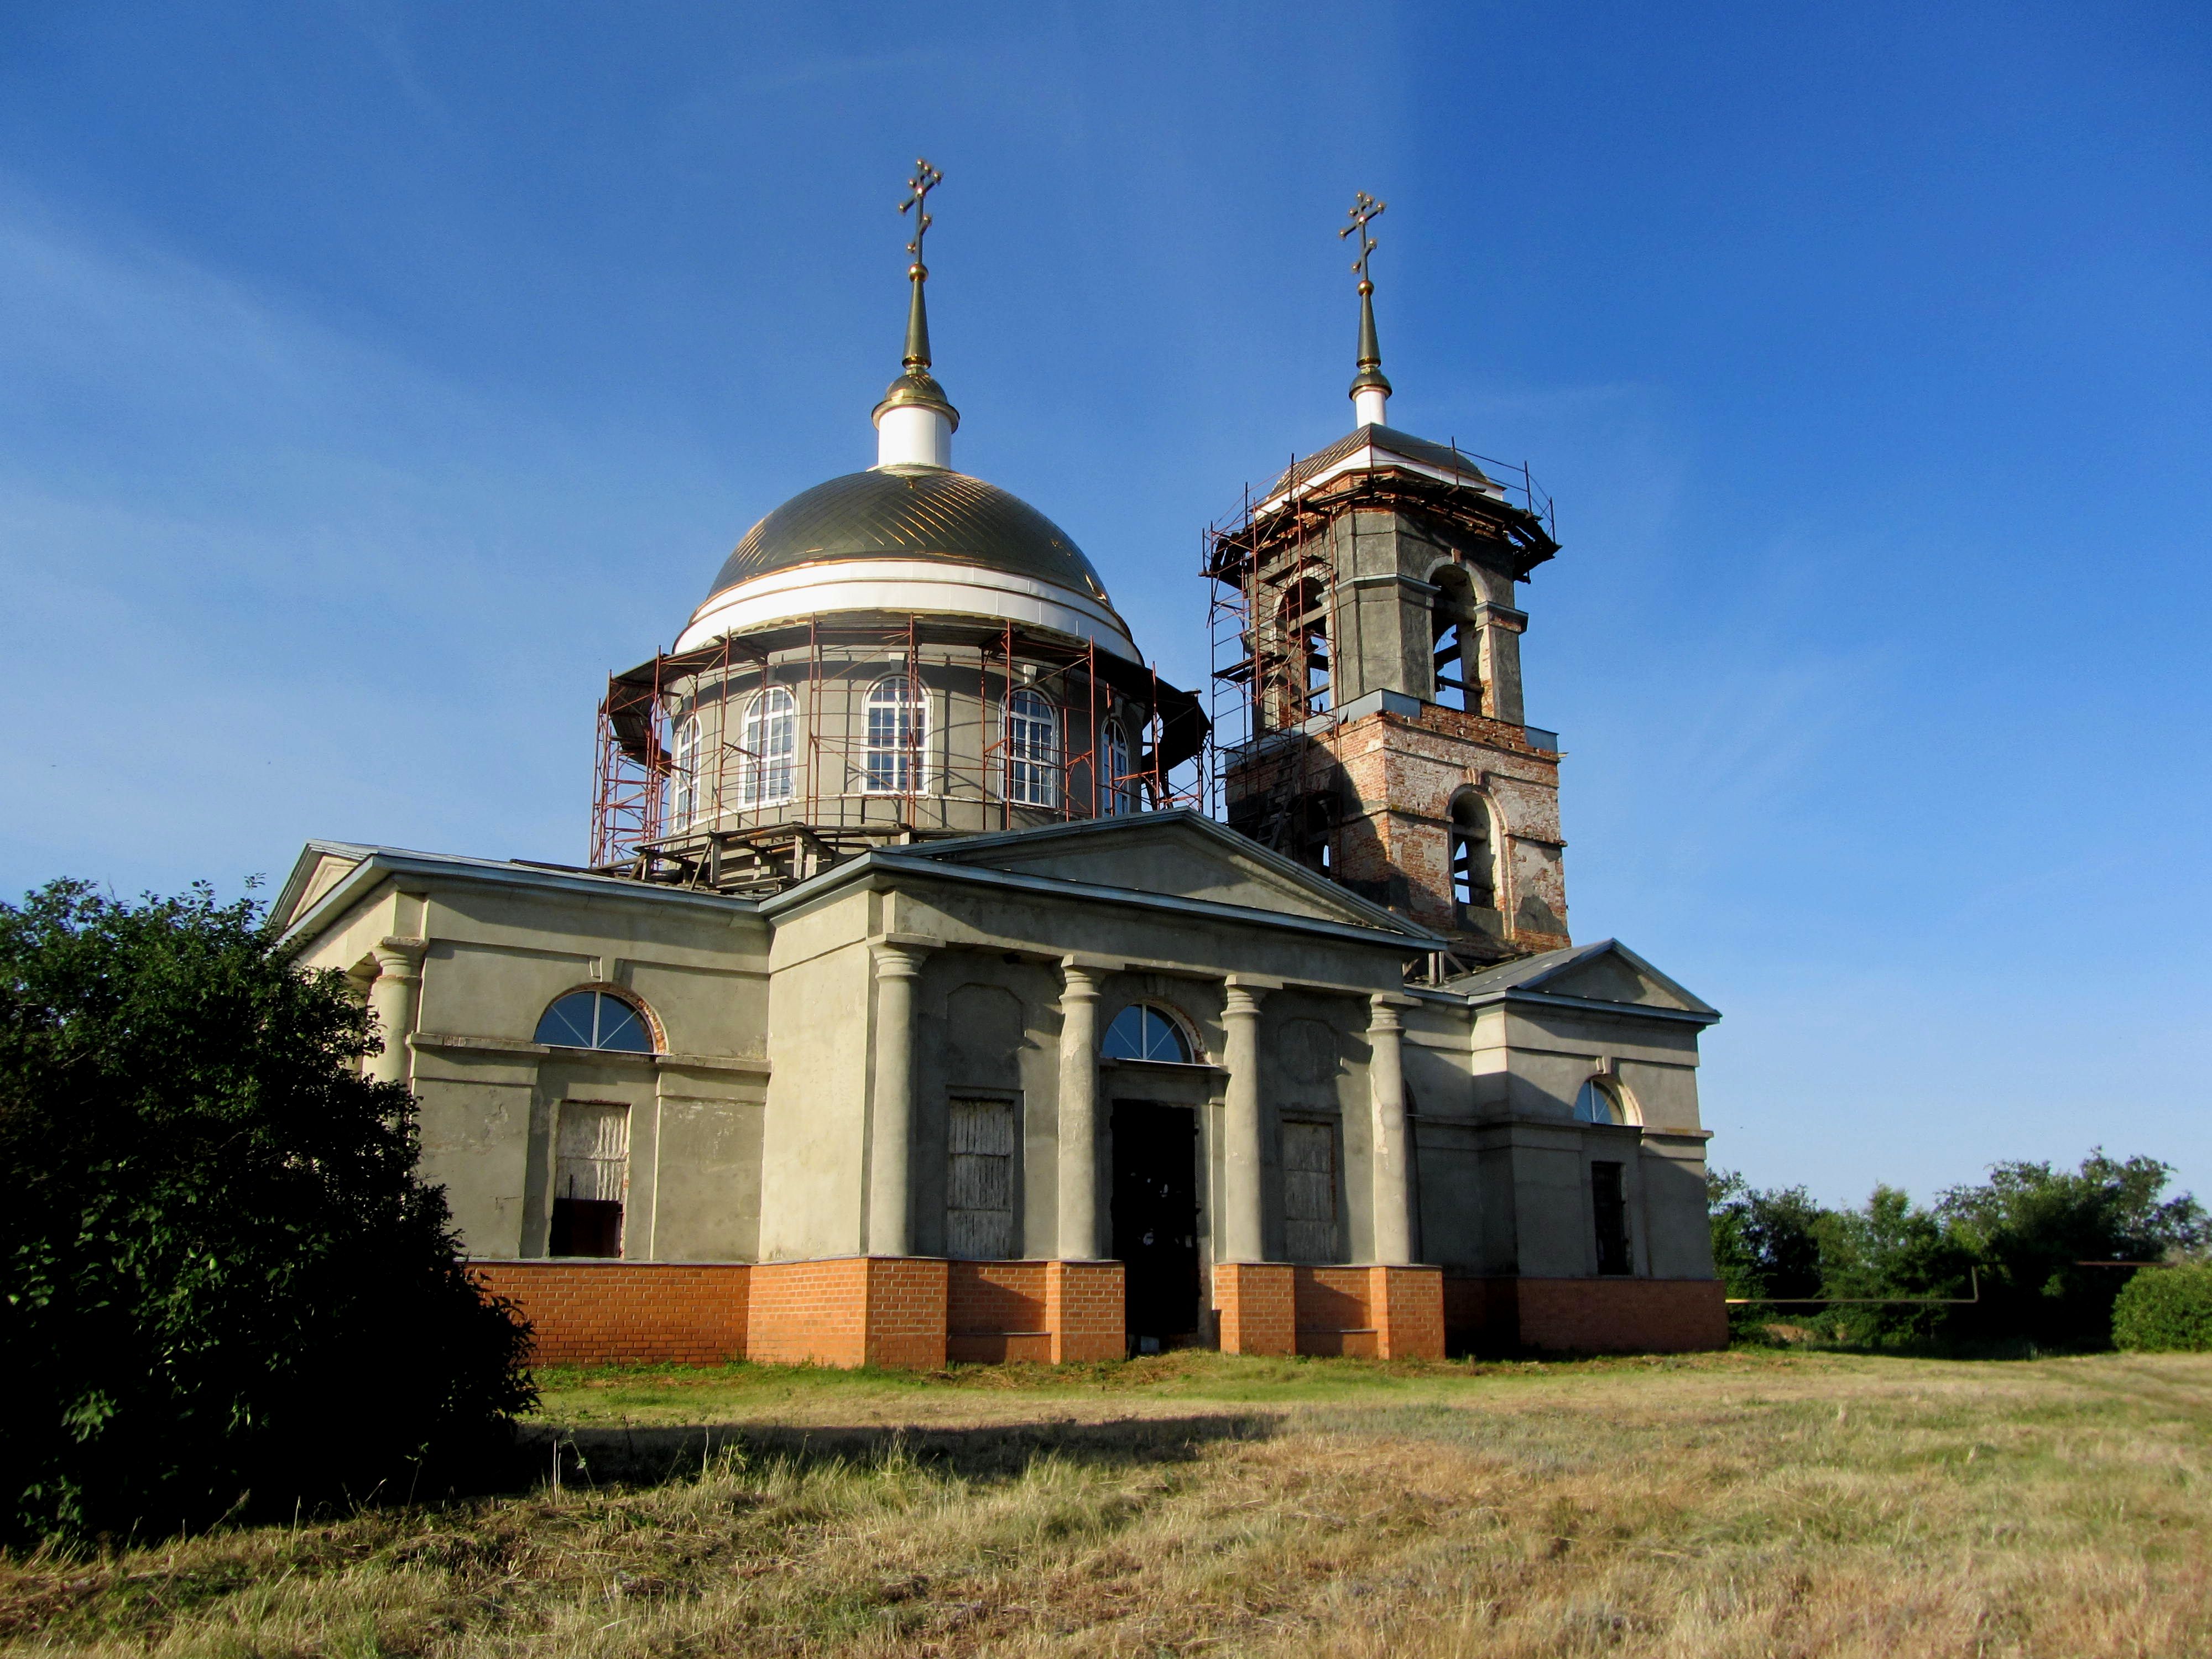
683,776
908,744
1120,792
1031,725
769,773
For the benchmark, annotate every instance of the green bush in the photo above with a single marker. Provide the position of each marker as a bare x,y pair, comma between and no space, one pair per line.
2036,1238
2165,1310
222,1286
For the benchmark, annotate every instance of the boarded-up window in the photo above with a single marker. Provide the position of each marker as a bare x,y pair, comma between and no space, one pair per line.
590,1173
980,1184
1309,1192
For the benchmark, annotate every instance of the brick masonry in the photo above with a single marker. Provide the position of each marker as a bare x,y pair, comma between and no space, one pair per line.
911,1312
1256,1302
1585,1315
995,1311
1377,1312
1086,1310
630,1313
918,1312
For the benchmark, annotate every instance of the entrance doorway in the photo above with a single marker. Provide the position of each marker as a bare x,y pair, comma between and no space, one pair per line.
1155,1219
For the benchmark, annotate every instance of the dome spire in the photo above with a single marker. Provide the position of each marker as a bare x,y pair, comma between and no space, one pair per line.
1370,392
915,421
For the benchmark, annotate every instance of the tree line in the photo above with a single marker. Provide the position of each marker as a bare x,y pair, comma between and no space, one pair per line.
2021,1260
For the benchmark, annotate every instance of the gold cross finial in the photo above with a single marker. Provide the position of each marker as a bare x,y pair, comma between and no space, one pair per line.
926,179
1364,209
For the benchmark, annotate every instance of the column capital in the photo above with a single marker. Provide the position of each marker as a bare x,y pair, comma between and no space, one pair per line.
1242,1002
1383,1016
400,957
1080,977
898,956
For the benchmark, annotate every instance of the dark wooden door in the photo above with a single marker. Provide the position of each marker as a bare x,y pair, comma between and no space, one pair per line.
1155,1217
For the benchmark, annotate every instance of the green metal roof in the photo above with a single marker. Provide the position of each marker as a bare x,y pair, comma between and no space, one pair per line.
912,512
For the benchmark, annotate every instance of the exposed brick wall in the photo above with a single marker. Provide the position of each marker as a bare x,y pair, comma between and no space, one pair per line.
1588,1315
1331,1298
1388,1313
811,1310
996,1311
906,1311
1258,1305
1086,1310
627,1312
1408,1307
1402,772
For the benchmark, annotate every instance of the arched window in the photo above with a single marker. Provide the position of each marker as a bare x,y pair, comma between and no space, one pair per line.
897,737
1117,790
1474,859
1032,749
595,1019
1599,1102
771,741
1458,652
1141,1031
684,776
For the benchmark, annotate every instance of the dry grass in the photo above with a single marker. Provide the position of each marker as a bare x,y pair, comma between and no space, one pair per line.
1740,1504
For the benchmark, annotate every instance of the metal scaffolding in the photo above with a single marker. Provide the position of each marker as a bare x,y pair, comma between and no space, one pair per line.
837,806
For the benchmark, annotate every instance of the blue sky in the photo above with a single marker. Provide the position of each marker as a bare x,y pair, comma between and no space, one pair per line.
374,378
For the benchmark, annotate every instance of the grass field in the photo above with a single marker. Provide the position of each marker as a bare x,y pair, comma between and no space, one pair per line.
1745,1504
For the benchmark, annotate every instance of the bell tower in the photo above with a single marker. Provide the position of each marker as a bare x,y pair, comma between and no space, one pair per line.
1366,609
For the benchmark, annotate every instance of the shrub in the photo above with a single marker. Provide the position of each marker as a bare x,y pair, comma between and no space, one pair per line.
2032,1227
220,1281
2165,1310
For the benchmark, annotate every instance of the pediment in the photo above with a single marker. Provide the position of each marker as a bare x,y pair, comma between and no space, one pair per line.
1179,855
322,865
1607,971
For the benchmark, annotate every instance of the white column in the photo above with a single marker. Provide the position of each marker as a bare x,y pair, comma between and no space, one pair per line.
890,1204
1386,1083
393,997
1078,1114
1241,1230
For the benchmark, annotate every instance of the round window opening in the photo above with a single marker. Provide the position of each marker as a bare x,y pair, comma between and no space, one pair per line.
595,1019
1599,1103
1141,1031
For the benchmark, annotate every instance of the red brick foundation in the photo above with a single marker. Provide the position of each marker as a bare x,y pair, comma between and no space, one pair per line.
628,1313
1381,1313
1086,1311
1257,1302
851,1310
1585,1315
995,1311
1406,1305
910,1312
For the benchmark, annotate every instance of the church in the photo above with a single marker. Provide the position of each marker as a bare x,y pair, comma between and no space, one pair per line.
943,985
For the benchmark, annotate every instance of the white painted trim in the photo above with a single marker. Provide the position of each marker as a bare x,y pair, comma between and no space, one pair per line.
922,587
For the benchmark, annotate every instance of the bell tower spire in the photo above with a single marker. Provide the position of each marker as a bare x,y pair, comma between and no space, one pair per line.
915,421
1370,392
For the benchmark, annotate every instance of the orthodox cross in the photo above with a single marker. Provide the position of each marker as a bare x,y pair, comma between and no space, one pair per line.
926,179
1363,208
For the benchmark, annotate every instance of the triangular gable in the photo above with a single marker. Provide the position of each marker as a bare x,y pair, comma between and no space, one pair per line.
322,865
1179,853
1607,971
